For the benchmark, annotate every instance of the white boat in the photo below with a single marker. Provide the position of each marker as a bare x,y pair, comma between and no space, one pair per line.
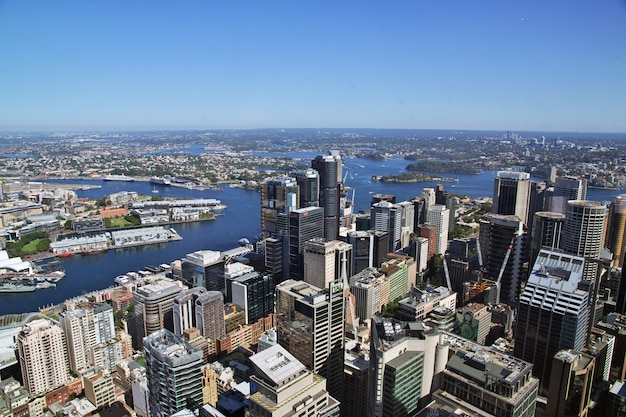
160,181
118,178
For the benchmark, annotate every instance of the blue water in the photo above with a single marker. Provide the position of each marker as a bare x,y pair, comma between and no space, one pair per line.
241,219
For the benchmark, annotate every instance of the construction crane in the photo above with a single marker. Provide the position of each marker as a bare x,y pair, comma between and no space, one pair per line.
344,278
445,270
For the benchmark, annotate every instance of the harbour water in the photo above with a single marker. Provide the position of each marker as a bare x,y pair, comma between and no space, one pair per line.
86,273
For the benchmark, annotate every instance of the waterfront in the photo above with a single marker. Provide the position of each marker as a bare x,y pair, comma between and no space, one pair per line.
241,219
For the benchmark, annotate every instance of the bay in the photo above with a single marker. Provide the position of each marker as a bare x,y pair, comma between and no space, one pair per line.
86,273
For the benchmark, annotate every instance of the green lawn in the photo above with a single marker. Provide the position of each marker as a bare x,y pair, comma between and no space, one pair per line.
32,246
119,222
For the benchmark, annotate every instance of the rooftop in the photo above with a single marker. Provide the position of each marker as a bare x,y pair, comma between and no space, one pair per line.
276,364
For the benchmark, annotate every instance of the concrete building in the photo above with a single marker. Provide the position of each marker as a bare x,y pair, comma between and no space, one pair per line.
570,384
404,359
553,313
616,399
497,232
367,287
420,303
173,373
201,309
311,326
487,381
285,387
401,272
43,356
153,309
99,388
547,229
439,216
473,322
583,233
419,250
616,228
511,194
566,189
355,380
326,261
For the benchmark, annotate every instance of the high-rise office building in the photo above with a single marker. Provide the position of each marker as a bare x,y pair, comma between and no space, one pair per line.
173,373
430,232
570,384
404,359
296,228
547,228
204,268
616,228
511,194
387,217
326,262
407,215
310,325
309,182
285,387
367,288
496,233
487,380
329,168
368,249
566,189
401,272
439,216
278,195
583,232
419,210
43,357
200,309
153,309
254,293
430,197
553,313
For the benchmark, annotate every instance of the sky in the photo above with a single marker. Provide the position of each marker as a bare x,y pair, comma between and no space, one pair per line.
425,64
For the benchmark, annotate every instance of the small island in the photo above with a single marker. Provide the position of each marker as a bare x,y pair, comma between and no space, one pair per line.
440,166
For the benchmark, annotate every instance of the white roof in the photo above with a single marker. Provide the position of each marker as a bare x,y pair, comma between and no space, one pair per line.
276,364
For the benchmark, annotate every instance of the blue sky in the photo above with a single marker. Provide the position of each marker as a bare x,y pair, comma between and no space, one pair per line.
518,65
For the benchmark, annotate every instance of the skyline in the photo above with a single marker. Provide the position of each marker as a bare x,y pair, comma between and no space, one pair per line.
407,65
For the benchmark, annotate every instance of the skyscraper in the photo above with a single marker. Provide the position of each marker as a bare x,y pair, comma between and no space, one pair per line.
326,262
368,249
254,293
153,309
404,358
43,356
616,228
183,309
329,168
547,228
553,313
201,309
570,384
309,182
173,372
204,268
566,189
496,233
387,217
310,325
583,232
278,195
295,229
511,194
439,216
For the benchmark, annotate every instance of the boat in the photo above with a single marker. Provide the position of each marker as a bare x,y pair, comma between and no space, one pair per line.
94,252
155,191
160,181
121,177
12,287
64,255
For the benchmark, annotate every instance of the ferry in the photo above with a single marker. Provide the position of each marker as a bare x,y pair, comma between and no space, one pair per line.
12,287
118,178
160,181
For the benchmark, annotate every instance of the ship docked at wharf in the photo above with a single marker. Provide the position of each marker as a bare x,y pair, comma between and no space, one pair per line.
18,276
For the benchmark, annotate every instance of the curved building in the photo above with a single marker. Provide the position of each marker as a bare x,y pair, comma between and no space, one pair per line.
547,228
